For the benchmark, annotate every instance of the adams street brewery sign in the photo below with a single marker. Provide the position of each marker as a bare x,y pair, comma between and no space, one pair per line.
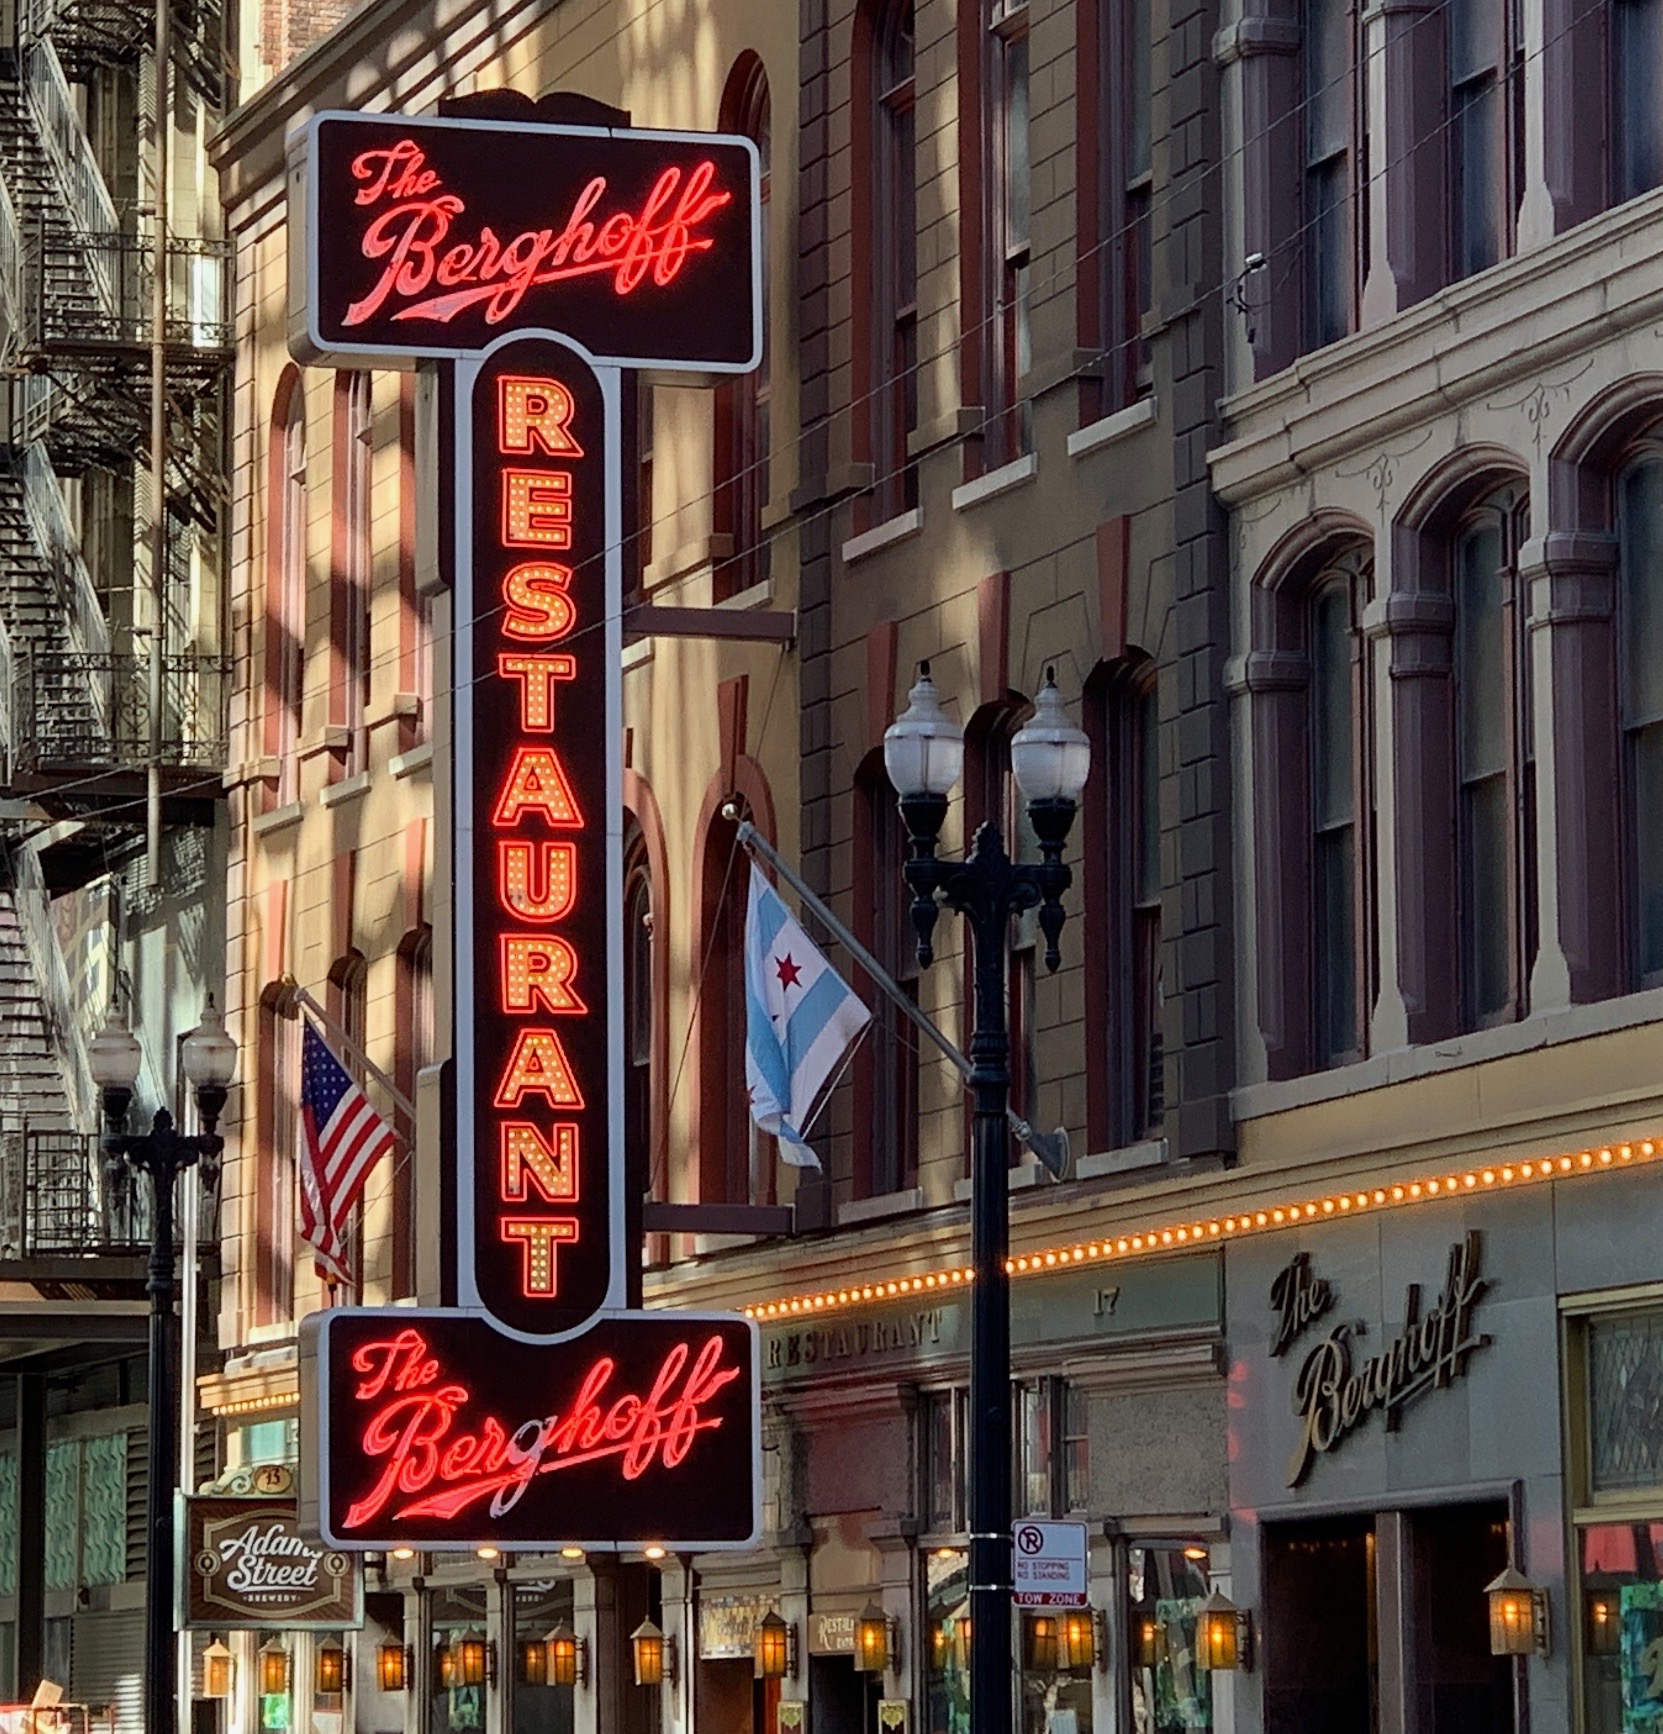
1337,1389
529,263
249,1567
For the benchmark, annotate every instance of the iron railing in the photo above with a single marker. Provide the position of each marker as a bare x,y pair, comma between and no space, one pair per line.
11,282
91,209
46,960
60,550
122,267
5,703
61,1196
57,726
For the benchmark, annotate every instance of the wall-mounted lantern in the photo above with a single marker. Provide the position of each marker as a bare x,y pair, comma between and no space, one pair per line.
1040,1631
568,1657
476,1659
330,1672
877,1638
219,1669
274,1667
1078,1648
1518,1615
1223,1635
776,1647
393,1667
1148,1636
654,1655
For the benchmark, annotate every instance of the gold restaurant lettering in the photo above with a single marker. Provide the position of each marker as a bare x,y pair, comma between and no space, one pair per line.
1332,1398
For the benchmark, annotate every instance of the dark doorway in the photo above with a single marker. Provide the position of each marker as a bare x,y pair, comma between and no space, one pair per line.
1321,1663
1458,1687
841,1699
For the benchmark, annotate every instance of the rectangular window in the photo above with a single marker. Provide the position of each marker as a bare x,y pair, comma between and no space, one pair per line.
947,1635
1031,1408
1485,78
1616,1373
1329,26
1166,1586
1640,542
893,1042
1333,820
944,1417
1009,430
1636,115
895,259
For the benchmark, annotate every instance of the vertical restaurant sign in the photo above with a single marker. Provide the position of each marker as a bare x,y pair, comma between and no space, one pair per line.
539,787
433,236
531,262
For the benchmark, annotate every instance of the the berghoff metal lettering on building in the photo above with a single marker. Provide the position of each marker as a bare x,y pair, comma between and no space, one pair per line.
1333,1395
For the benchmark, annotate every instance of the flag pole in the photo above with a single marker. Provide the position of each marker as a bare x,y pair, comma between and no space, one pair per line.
1050,1147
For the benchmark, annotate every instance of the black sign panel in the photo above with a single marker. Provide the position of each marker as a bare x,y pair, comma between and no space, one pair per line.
434,237
439,1431
248,1567
536,740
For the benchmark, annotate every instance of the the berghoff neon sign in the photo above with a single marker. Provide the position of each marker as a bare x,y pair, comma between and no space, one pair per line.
539,1411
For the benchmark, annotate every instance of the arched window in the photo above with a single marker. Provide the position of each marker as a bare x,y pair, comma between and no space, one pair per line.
413,1052
1307,689
277,1145
1640,626
1126,1074
886,1063
639,1010
742,402
1337,770
350,603
286,584
891,242
1495,774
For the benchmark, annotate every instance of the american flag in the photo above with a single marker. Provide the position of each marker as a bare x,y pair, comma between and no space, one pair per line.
342,1139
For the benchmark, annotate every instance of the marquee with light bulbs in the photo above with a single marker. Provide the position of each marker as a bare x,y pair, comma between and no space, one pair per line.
532,263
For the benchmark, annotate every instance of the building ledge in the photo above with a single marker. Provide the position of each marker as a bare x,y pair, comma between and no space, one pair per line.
1545,1029
1097,434
348,789
884,535
278,819
884,1204
407,764
996,482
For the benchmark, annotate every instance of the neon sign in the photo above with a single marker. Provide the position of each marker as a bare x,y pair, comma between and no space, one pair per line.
539,778
538,1411
432,1421
432,236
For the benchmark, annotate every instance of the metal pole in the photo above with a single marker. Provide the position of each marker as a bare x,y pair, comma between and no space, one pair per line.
990,1395
190,1233
158,450
159,1654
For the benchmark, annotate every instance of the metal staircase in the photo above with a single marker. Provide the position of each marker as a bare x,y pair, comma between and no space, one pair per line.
78,750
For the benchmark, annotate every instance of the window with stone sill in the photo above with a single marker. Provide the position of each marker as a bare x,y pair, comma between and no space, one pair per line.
1332,104
1495,764
893,206
1165,1587
1617,1359
1008,430
1484,153
1635,54
1640,631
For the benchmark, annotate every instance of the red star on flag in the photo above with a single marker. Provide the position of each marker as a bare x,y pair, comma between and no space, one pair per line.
790,974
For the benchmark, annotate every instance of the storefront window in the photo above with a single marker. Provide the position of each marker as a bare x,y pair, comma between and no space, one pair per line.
455,1708
1054,1693
1621,1564
944,1417
540,1706
947,1628
1167,1585
1033,1408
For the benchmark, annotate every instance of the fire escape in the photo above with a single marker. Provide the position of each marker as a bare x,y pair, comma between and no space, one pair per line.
86,728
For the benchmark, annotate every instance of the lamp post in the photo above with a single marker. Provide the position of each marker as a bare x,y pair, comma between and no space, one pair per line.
209,1059
1050,758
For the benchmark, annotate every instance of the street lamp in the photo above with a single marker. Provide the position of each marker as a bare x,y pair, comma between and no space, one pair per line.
209,1060
923,752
